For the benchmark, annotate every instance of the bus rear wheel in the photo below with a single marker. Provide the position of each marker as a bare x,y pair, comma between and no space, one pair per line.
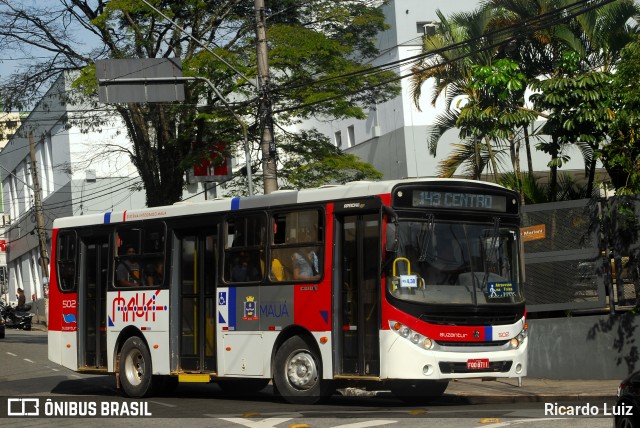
298,373
418,391
135,368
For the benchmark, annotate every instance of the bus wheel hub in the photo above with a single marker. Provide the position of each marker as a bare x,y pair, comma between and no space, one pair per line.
301,371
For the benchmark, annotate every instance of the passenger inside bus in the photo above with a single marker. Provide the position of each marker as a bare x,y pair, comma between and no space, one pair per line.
128,271
155,273
242,270
305,267
277,270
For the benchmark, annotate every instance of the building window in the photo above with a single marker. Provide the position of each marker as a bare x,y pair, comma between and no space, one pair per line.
352,136
338,138
427,28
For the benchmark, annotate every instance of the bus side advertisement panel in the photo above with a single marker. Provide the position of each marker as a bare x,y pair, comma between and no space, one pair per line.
273,308
146,309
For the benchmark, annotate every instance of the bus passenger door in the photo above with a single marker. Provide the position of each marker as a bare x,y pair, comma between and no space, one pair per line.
197,280
357,262
92,298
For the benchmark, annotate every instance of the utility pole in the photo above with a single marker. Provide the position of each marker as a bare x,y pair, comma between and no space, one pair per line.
37,203
267,142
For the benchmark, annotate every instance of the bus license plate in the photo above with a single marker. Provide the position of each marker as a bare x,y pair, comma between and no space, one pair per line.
478,364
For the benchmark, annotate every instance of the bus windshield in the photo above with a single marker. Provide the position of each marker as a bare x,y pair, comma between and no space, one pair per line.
439,262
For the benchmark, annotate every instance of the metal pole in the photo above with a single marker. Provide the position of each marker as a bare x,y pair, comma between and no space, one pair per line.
267,143
37,202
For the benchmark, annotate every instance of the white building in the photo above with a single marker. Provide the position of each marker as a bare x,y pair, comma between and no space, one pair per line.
79,172
393,138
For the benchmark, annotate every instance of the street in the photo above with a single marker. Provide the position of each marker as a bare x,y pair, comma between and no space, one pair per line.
28,380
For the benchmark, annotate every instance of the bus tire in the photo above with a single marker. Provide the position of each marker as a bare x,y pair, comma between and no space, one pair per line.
297,375
418,391
135,368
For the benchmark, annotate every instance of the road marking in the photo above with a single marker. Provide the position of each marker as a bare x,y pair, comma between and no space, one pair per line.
12,354
523,421
265,423
272,422
29,361
163,404
374,423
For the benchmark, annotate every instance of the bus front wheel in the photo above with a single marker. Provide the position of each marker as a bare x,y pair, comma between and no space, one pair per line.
135,368
298,372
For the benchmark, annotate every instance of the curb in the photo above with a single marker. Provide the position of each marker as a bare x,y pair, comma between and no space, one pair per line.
534,398
460,397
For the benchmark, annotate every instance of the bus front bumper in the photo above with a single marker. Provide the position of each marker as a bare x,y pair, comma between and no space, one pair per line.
402,359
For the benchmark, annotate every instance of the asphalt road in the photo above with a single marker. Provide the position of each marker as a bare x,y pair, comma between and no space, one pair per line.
28,380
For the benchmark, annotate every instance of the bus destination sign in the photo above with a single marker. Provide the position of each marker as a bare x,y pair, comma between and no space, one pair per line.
459,200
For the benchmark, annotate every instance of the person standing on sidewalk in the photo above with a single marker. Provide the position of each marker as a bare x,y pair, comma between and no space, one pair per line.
21,299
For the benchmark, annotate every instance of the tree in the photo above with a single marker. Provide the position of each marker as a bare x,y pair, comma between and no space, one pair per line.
318,52
593,41
595,37
621,153
311,161
579,112
495,112
450,68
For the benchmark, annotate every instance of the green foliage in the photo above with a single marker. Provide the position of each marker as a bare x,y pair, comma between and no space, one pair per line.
569,65
621,155
536,192
319,53
311,161
579,106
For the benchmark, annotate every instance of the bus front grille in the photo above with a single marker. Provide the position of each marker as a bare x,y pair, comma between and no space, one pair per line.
494,343
474,320
494,367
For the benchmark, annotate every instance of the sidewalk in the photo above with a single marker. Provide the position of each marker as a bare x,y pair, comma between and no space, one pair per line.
533,390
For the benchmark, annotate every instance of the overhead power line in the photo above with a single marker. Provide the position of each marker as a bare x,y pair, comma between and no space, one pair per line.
502,36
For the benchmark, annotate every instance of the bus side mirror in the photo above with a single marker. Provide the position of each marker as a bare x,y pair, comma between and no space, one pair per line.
392,229
392,238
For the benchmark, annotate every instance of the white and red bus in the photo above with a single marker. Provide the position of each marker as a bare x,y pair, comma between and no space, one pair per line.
397,285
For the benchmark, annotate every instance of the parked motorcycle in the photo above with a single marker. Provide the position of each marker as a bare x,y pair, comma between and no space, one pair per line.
15,316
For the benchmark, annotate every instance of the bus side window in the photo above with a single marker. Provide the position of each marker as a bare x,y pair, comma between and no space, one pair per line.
66,260
296,246
140,255
244,248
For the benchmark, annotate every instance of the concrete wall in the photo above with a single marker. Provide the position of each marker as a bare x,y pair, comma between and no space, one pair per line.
589,347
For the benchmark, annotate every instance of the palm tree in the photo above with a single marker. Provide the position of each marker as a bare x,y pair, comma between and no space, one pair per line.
453,75
450,68
596,37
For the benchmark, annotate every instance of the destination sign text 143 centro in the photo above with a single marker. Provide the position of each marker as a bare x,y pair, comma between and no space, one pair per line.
459,200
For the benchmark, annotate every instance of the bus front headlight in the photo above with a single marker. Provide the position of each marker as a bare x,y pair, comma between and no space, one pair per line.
415,338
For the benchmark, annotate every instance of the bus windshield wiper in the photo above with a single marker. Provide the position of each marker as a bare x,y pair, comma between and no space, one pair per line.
492,252
424,239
